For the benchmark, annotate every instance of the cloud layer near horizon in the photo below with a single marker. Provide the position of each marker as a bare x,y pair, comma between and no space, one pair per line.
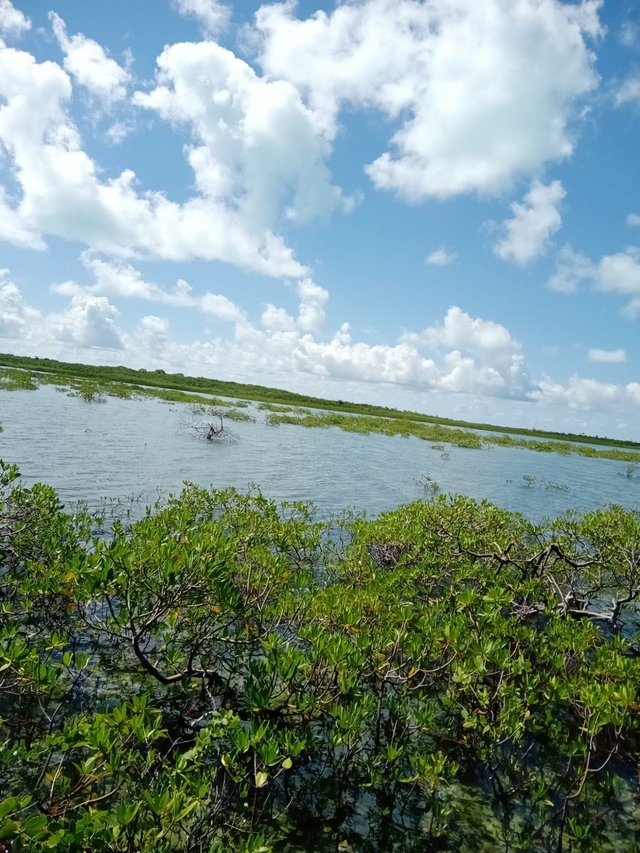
460,354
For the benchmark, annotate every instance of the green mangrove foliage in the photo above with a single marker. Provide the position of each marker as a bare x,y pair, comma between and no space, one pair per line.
90,392
230,675
16,380
384,426
439,434
273,407
161,379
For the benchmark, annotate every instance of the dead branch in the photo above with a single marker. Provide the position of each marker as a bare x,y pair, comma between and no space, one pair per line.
211,430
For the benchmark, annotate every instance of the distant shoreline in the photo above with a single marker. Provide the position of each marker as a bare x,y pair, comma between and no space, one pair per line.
264,394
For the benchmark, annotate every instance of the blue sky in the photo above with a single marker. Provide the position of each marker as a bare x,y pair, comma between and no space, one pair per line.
220,189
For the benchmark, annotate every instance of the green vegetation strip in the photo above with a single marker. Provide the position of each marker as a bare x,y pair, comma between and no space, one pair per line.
229,675
259,393
97,391
460,438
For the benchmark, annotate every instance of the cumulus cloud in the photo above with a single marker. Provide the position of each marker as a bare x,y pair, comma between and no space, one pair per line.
311,314
15,229
62,193
89,64
633,220
461,330
119,279
466,355
12,21
572,268
629,91
618,273
254,141
581,393
16,319
441,257
483,92
212,15
119,132
259,143
89,321
616,356
528,234
495,352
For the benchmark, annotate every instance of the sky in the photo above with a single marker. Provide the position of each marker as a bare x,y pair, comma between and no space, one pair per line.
429,204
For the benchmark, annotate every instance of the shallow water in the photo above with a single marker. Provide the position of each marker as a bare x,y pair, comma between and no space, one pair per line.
127,447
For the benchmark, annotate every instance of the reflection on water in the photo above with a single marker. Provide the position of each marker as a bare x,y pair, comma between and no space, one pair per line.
124,447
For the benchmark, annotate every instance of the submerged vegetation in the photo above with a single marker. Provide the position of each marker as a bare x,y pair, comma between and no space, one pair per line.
230,675
273,407
439,434
13,379
16,380
97,391
90,392
217,411
259,393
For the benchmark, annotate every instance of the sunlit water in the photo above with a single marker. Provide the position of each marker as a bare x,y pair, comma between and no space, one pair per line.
88,451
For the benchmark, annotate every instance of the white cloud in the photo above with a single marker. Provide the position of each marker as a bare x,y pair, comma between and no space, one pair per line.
311,314
212,15
630,33
277,319
484,92
616,356
469,355
16,319
89,65
441,257
493,348
485,360
571,269
117,278
63,195
629,91
581,393
528,234
313,301
89,321
618,273
119,132
255,142
459,330
12,20
14,229
633,219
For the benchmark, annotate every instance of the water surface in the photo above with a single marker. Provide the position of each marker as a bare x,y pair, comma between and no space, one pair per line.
127,447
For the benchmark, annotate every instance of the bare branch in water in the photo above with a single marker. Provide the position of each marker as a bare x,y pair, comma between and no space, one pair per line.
211,430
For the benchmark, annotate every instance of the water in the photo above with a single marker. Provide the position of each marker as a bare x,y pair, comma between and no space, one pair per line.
88,451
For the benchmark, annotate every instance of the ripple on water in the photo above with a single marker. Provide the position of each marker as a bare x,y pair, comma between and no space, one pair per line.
124,447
